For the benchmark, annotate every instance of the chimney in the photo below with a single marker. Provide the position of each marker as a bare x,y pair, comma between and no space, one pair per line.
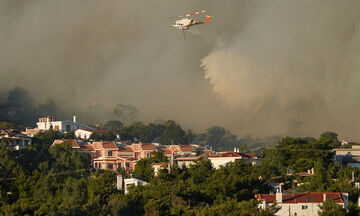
324,196
234,149
118,136
74,118
278,196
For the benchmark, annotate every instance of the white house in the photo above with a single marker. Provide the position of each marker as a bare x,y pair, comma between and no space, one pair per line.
47,123
348,157
222,159
14,139
300,204
86,133
133,181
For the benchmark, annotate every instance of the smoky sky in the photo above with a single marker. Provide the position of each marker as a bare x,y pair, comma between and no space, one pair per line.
258,66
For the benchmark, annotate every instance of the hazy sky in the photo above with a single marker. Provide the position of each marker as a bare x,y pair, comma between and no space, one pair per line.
256,69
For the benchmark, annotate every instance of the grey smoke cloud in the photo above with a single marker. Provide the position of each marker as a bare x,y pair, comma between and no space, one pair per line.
257,66
292,60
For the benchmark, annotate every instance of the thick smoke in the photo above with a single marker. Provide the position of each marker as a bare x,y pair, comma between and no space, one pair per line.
292,61
266,63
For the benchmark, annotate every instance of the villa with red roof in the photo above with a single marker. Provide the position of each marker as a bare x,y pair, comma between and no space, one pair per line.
301,203
222,159
109,156
182,149
143,150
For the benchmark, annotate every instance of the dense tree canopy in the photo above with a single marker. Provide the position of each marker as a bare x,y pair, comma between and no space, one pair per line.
44,180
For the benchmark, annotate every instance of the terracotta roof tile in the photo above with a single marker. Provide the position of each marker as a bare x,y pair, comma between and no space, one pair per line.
109,145
148,146
125,149
250,155
186,148
165,150
86,148
227,154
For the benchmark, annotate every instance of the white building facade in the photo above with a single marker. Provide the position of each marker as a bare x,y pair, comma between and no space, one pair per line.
301,204
49,123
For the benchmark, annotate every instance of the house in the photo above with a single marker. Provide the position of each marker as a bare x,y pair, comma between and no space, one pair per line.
143,150
252,159
49,123
165,149
301,203
222,159
14,139
110,156
159,166
132,182
182,149
184,160
86,133
105,155
348,157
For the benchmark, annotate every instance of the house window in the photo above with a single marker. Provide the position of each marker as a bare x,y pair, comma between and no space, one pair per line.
304,207
110,166
110,153
148,154
119,165
308,200
57,127
127,164
67,127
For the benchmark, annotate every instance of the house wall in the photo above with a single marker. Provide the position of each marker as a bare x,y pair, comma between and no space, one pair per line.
299,209
62,126
342,154
221,161
187,163
83,134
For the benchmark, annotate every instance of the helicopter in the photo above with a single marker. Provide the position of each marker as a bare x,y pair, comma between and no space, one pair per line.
185,22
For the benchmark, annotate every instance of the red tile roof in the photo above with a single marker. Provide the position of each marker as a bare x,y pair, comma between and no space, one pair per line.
186,148
86,148
227,154
165,150
125,149
148,146
250,155
108,144
313,197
